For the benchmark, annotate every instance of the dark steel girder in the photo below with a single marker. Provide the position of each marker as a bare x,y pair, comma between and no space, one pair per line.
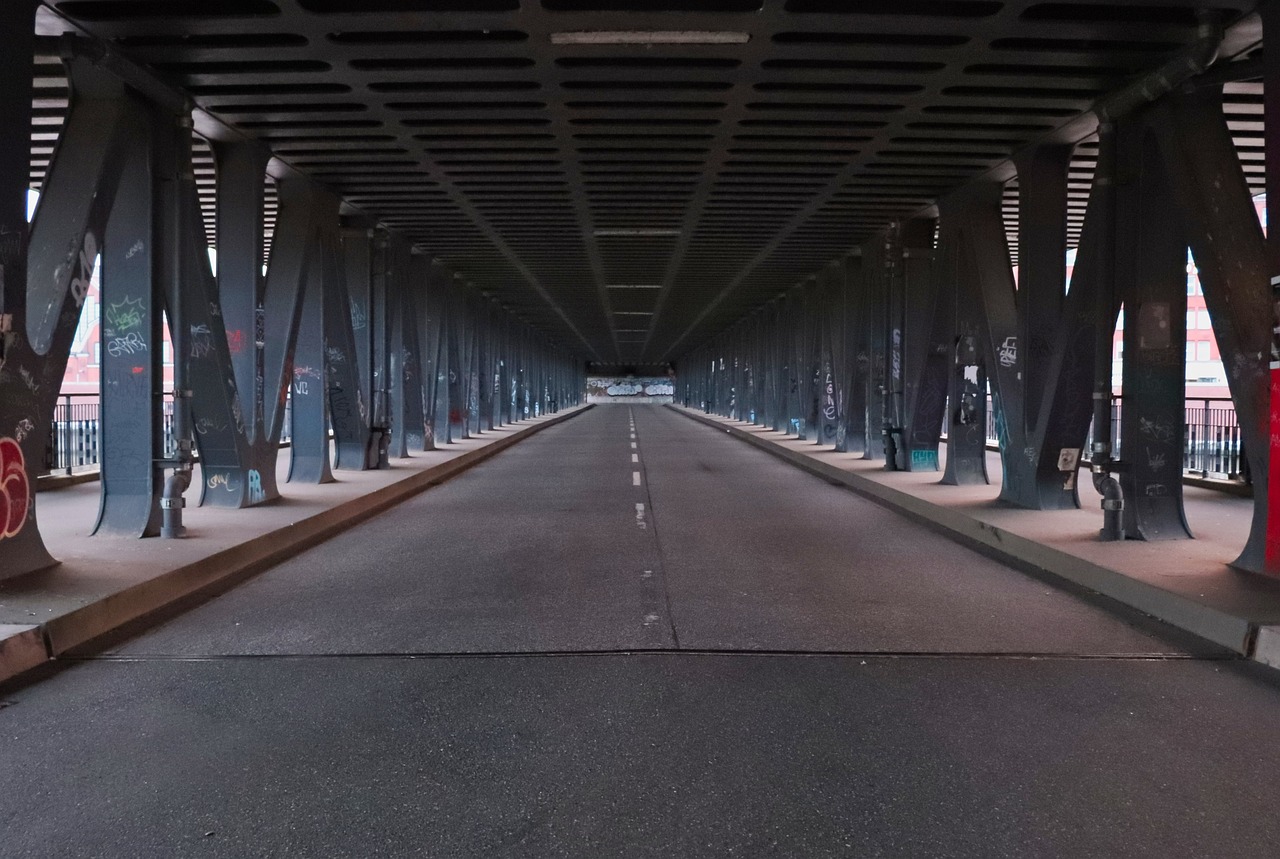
562,152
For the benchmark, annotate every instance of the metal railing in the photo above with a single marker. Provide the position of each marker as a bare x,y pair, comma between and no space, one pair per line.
1212,447
75,438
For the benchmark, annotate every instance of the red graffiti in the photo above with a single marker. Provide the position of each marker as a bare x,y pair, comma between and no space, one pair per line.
15,491
235,341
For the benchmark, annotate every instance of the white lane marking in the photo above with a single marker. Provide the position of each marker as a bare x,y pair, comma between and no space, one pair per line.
650,619
635,478
633,445
635,457
633,435
647,574
640,523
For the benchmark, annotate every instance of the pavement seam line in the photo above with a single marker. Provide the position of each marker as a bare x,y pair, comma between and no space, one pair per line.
885,655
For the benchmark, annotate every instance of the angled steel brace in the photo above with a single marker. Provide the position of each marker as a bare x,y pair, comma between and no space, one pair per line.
1079,340
208,403
45,283
1227,242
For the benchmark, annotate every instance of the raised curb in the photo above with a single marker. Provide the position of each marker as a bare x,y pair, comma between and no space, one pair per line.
1234,633
76,628
1267,647
21,649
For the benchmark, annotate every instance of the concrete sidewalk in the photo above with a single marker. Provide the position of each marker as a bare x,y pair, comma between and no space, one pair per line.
1185,583
104,583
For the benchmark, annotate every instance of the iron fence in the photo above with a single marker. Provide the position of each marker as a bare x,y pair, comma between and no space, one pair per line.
1212,446
75,438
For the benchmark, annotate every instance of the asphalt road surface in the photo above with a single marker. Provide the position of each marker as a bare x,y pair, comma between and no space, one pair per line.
631,635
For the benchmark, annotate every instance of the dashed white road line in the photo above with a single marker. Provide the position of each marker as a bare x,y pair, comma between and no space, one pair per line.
635,478
635,457
633,445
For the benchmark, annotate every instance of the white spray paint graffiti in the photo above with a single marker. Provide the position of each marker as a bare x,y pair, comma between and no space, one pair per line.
1009,352
88,254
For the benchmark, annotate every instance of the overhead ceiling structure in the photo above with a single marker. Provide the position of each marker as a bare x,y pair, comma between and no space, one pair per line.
633,176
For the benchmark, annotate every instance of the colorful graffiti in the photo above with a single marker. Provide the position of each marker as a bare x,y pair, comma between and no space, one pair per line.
15,490
636,389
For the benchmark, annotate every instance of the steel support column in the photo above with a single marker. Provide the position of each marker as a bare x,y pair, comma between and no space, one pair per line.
241,173
858,366
926,327
1151,276
131,367
408,425
971,249
455,319
357,447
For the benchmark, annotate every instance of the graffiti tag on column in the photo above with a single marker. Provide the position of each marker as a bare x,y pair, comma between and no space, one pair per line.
15,491
129,344
896,356
32,385
204,426
235,341
123,315
358,319
256,493
1008,353
222,481
80,284
1156,429
201,341
237,414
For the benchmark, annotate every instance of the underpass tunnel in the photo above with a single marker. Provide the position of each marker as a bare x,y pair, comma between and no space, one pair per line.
369,230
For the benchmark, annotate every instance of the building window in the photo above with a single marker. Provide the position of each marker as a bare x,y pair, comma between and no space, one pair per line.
1202,320
1202,350
1191,352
